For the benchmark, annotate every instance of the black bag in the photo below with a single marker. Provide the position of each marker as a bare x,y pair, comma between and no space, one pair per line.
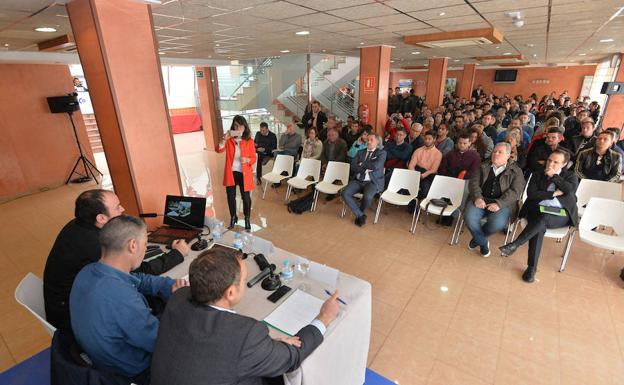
443,203
301,205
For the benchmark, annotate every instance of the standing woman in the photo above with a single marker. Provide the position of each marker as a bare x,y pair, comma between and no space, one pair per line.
240,155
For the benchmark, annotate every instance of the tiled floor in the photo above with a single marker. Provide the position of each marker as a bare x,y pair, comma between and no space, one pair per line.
441,314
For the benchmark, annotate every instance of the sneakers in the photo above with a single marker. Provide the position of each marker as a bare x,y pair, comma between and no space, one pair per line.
485,251
360,221
472,245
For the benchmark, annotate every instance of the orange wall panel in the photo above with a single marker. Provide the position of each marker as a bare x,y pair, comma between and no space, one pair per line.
37,148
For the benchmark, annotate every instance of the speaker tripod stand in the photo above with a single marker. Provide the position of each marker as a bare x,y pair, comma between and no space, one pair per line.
86,163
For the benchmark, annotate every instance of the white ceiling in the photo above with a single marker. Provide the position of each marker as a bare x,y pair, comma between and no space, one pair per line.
555,31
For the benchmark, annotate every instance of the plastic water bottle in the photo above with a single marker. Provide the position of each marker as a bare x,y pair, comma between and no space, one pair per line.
287,272
238,241
217,231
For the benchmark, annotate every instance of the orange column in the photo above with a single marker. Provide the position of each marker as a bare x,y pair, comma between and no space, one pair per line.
118,53
208,90
467,81
614,109
374,80
436,81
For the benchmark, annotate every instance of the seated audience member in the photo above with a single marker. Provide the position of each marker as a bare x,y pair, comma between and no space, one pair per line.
202,340
110,316
289,142
398,151
312,146
78,245
367,168
352,133
523,136
502,119
415,139
616,137
314,117
489,126
600,162
539,153
426,160
524,123
493,193
443,142
266,142
480,142
572,125
361,143
393,122
334,149
586,139
518,154
554,189
526,108
461,162
332,123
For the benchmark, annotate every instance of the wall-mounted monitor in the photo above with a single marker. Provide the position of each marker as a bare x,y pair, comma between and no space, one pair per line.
505,75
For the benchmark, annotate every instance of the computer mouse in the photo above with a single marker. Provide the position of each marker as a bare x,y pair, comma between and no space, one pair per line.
201,244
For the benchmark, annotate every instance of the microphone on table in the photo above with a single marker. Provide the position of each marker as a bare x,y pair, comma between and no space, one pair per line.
260,276
201,244
267,272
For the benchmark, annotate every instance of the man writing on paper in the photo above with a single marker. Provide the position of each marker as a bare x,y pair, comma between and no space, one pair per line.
203,341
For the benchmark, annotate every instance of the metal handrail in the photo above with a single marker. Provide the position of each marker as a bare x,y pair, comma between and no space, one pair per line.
332,83
265,64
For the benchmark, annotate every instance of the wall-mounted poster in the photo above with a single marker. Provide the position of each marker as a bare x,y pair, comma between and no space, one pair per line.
451,85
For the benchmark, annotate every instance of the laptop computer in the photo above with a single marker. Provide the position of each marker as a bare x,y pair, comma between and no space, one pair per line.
181,215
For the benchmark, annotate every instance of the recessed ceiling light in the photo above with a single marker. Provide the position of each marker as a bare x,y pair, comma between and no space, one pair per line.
507,53
497,47
444,289
441,13
530,45
217,45
285,51
534,55
591,49
6,44
302,33
606,40
324,50
161,52
391,61
456,60
45,29
416,53
361,43
582,54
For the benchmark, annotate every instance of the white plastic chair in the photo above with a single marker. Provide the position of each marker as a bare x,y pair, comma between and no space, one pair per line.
444,186
307,167
335,170
603,212
282,163
589,188
401,179
29,293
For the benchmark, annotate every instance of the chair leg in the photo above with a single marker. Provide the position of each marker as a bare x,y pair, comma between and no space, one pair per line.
413,227
266,185
288,193
515,229
378,211
343,211
566,253
455,236
316,194
417,217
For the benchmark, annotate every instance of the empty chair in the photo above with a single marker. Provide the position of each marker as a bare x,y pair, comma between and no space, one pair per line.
283,165
444,187
335,171
309,173
401,179
29,293
603,212
589,188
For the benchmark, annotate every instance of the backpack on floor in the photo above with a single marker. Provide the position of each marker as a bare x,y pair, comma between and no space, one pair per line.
301,205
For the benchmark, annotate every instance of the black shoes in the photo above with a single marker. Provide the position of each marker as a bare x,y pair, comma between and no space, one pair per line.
247,224
529,274
360,221
233,222
472,245
508,249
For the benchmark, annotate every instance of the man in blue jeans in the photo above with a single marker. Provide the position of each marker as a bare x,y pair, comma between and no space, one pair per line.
494,191
367,168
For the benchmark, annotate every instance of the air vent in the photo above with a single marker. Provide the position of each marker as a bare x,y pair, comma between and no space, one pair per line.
471,37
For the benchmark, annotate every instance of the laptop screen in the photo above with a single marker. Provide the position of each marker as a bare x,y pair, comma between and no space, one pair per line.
189,210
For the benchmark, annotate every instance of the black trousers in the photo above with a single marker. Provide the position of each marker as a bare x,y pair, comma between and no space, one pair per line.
261,157
231,195
535,230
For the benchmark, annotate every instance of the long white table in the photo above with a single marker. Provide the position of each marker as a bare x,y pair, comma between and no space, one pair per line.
341,358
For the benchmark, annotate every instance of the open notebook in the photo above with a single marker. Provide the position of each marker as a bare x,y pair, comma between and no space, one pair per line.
297,311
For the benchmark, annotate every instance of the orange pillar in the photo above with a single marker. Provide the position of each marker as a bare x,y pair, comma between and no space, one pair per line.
467,81
374,80
436,81
208,90
118,53
614,109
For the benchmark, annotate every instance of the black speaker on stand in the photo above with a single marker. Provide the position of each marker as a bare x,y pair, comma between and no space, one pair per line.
68,104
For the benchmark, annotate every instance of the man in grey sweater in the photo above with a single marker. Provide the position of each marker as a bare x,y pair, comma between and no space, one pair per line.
289,142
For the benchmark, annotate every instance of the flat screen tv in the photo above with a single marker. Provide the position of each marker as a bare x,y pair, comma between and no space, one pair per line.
505,75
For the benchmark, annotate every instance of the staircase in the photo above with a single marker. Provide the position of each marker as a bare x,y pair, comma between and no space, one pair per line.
93,133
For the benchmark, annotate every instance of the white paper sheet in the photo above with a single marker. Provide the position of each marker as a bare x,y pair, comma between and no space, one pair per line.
295,312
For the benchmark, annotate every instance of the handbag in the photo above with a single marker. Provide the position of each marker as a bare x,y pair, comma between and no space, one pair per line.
442,202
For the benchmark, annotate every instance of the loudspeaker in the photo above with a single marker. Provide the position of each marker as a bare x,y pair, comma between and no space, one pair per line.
63,104
612,88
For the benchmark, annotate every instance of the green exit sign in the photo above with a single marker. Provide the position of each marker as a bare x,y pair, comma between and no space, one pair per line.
200,74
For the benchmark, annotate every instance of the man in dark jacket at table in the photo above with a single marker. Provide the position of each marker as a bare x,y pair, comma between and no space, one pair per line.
203,341
550,204
78,245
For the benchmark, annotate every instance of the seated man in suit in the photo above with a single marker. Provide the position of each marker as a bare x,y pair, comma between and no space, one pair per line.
493,193
203,341
110,316
539,152
367,168
554,189
78,244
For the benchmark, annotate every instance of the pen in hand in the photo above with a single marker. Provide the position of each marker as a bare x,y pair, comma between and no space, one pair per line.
339,300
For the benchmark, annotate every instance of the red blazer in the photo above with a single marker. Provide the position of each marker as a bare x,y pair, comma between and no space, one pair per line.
248,150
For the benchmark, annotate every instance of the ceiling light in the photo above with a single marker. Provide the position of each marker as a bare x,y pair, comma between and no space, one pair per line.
534,55
361,43
285,51
161,52
456,60
606,40
302,33
444,289
497,47
582,54
45,29
6,44
441,13
324,50
507,53
391,61
217,45
530,45
416,53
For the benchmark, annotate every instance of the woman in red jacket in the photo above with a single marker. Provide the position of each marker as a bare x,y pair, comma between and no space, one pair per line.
240,155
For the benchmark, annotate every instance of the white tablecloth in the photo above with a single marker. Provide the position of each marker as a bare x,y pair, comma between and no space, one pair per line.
341,358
